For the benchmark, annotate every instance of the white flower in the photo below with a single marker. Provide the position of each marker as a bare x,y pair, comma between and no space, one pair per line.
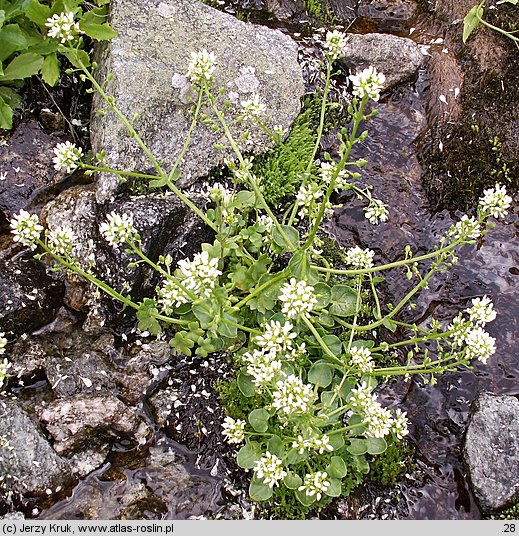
378,419
292,396
270,469
361,397
466,229
315,484
360,258
368,83
67,156
4,367
3,342
306,198
328,169
400,423
480,345
118,229
361,358
298,298
495,202
201,67
262,366
200,274
460,329
26,228
321,444
335,44
61,240
277,337
253,108
219,192
279,130
482,311
63,27
233,430
376,212
170,295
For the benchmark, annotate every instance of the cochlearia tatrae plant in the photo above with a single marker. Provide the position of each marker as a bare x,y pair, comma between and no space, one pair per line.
305,336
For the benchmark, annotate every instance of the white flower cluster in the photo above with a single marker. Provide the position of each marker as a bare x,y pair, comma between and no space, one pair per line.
307,198
233,430
26,228
118,229
276,337
292,396
170,295
62,27
253,108
4,367
495,201
360,258
328,169
315,484
368,83
3,342
270,469
200,274
320,444
262,366
400,424
466,229
298,298
470,334
61,241
201,67
67,156
225,197
361,359
376,212
335,44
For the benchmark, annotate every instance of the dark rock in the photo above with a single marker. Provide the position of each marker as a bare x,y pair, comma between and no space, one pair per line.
153,50
397,57
344,9
29,297
393,16
28,464
491,451
91,422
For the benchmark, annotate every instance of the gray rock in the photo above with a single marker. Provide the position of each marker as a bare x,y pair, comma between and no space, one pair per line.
29,297
28,464
397,57
90,421
147,63
491,451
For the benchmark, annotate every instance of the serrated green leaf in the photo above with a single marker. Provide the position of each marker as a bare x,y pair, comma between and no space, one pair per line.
320,374
78,58
358,447
248,455
376,445
258,491
471,21
343,301
6,115
22,66
258,419
337,467
292,481
50,70
37,13
245,385
92,23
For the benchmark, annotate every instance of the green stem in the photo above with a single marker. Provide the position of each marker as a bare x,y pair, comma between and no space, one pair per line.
322,344
262,287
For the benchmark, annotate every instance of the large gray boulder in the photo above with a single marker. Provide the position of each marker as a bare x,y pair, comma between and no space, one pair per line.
491,451
147,64
397,57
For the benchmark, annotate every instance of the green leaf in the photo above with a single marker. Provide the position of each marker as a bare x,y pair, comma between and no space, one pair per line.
361,464
50,69
275,446
6,115
320,374
204,316
76,57
299,265
10,97
337,467
245,385
291,233
224,328
23,66
248,455
471,21
389,324
343,301
37,13
292,481
337,441
334,343
92,23
2,17
376,445
12,39
347,386
358,447
245,199
293,456
258,491
304,499
335,488
323,293
514,2
258,419
326,320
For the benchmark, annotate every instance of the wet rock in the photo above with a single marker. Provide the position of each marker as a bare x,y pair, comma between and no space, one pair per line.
397,57
91,422
164,223
388,15
285,9
28,464
153,51
29,297
491,451
344,9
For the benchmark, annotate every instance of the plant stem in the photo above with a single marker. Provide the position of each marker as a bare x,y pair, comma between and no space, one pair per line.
322,344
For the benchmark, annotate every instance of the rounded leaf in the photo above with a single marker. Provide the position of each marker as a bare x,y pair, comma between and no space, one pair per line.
258,491
292,481
246,385
248,455
337,467
320,374
358,447
335,488
258,419
376,445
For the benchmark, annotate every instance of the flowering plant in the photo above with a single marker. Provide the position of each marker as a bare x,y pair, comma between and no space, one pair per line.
304,335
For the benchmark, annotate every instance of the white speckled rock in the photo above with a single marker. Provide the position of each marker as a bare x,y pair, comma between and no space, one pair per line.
147,63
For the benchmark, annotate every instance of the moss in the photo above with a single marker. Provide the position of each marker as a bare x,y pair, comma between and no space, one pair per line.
386,468
511,513
235,404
